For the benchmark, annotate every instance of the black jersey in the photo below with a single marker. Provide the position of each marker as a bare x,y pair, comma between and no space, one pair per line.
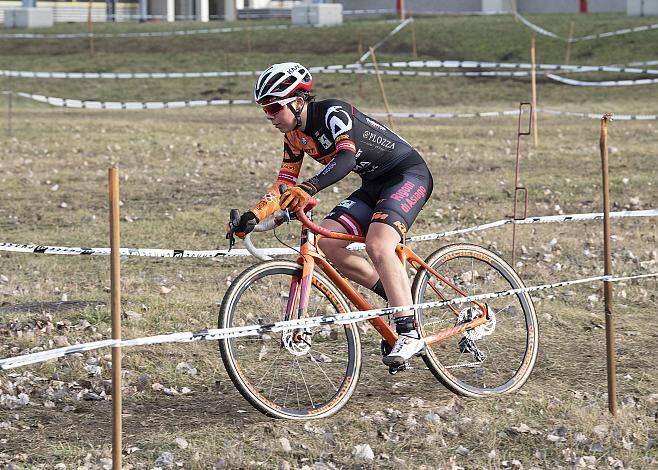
343,139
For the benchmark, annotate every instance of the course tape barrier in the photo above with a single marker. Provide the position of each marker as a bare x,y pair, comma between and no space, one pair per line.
125,105
247,73
617,117
355,68
569,81
503,65
169,253
589,37
136,105
151,34
515,112
386,38
258,330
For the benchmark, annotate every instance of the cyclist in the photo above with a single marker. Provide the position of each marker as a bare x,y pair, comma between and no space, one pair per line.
396,183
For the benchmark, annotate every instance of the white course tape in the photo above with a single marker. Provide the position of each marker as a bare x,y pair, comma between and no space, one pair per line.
503,65
247,73
537,220
386,38
151,34
145,252
513,112
646,62
617,117
118,105
123,75
589,37
166,253
135,105
569,81
257,330
355,68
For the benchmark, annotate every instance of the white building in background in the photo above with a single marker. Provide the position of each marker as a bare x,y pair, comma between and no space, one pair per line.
205,10
476,6
164,10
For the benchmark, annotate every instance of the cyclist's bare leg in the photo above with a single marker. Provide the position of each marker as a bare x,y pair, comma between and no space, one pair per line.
348,263
380,246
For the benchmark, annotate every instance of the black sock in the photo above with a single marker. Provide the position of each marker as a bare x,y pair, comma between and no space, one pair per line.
405,324
378,289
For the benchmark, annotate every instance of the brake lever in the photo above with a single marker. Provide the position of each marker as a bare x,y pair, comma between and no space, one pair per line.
285,212
231,227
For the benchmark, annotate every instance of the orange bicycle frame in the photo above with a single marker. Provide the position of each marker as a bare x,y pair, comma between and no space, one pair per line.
310,255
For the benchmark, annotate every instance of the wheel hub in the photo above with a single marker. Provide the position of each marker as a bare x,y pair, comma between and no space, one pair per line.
479,332
297,342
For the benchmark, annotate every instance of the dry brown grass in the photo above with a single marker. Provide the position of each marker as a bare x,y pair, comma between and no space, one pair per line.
181,172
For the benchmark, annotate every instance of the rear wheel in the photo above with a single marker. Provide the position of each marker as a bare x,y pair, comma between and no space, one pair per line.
294,374
494,358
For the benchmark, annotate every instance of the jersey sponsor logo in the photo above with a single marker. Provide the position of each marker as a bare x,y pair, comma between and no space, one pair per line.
337,121
346,203
379,140
364,167
375,124
404,195
304,141
313,181
329,167
401,227
379,216
326,143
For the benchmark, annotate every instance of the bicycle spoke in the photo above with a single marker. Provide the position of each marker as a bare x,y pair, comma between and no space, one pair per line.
486,358
281,376
323,372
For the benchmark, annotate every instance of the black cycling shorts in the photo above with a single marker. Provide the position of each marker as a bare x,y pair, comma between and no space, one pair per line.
394,199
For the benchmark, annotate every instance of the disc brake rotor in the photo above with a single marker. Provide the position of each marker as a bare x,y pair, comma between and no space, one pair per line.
479,332
297,342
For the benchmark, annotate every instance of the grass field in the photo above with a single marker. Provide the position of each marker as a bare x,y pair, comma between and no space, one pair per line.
181,172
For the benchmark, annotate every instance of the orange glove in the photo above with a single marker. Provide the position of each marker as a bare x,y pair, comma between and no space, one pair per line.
295,198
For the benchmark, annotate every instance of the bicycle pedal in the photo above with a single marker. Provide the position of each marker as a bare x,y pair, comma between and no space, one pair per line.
399,368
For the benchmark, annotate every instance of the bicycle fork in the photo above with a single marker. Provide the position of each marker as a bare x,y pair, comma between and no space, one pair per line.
300,291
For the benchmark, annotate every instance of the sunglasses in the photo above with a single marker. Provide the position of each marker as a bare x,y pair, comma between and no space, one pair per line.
276,106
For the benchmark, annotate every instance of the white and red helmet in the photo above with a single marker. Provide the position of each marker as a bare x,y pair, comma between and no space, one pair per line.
281,81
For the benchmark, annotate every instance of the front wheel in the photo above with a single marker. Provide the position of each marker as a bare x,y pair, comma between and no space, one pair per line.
496,357
295,374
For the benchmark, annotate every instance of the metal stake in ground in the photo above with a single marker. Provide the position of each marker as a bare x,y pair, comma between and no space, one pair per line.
569,41
115,286
414,49
9,111
381,88
533,77
517,178
90,30
607,286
